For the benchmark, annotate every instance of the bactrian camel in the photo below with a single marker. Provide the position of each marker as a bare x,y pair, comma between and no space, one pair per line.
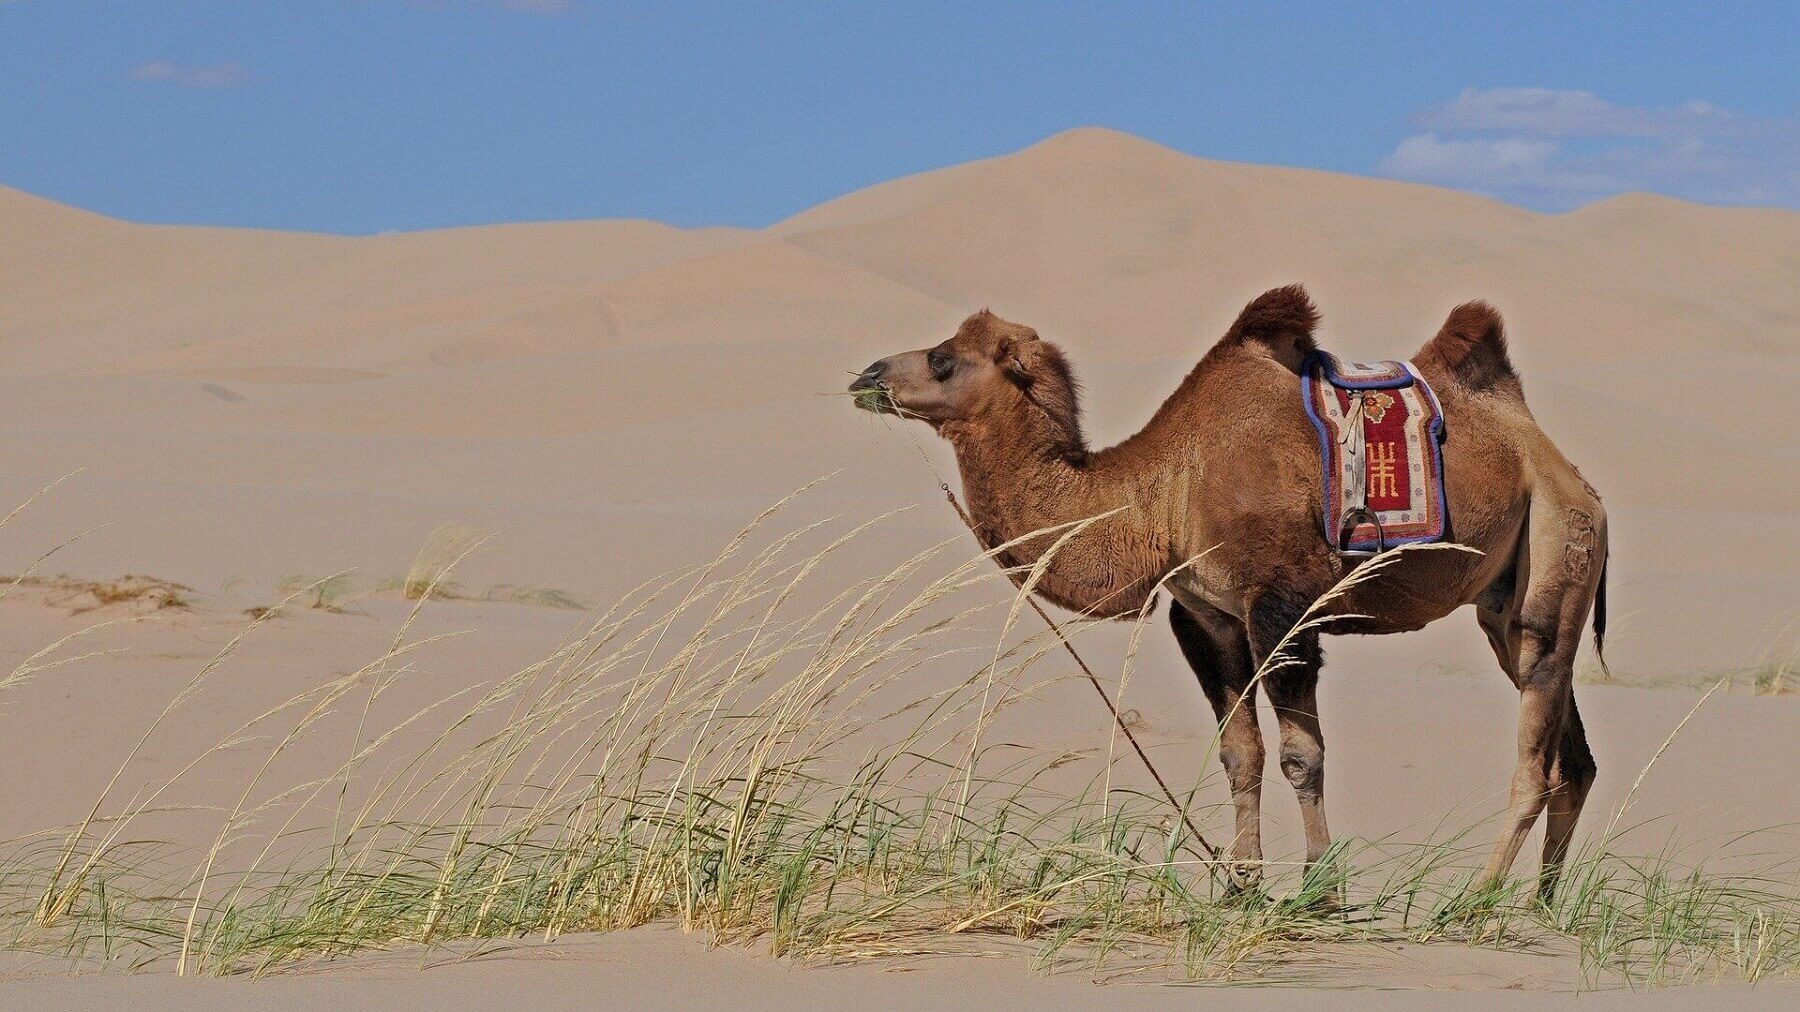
1222,489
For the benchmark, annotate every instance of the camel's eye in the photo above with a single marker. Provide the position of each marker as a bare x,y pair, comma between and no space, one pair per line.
942,364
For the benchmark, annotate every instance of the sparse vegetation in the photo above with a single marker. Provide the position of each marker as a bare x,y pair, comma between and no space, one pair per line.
1775,678
336,594
329,594
710,750
79,596
446,546
541,597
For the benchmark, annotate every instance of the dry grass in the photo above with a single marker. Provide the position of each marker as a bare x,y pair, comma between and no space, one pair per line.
338,593
760,752
140,593
428,577
447,545
333,593
1774,677
81,596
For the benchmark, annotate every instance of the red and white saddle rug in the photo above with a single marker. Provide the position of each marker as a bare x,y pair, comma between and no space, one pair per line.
1381,439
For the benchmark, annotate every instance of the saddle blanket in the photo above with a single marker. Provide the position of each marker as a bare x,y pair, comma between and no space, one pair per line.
1381,436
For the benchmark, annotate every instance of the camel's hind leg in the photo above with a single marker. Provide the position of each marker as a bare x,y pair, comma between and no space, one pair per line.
1570,777
1215,647
1572,771
1535,636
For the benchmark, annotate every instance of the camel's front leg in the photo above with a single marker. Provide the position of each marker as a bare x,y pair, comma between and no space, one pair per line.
1303,753
1216,648
1291,663
1241,753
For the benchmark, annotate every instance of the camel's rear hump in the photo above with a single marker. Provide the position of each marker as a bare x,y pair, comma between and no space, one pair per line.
1471,348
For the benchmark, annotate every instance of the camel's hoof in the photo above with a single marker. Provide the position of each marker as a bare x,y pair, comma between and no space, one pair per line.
1321,889
1328,903
1546,888
1243,880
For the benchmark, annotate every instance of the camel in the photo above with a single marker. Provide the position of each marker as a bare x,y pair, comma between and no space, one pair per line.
1220,494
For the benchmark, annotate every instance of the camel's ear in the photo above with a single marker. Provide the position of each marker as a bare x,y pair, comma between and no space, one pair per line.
1022,357
1279,323
1040,369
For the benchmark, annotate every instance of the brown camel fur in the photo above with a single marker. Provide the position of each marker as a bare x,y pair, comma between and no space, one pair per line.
1222,489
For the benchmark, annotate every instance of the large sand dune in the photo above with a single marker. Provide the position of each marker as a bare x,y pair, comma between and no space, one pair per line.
565,383
614,398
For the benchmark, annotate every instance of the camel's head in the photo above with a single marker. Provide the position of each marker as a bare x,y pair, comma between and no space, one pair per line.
988,368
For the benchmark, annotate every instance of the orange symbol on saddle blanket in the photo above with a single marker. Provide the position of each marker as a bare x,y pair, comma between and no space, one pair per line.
1382,484
1376,405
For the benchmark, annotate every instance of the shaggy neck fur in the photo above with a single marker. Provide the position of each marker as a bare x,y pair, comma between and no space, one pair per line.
1026,467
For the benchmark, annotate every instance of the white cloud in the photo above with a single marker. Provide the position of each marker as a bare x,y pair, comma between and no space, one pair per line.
1548,112
227,74
1494,165
1556,149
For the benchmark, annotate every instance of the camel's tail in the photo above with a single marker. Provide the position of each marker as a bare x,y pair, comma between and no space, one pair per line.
1600,617
1471,348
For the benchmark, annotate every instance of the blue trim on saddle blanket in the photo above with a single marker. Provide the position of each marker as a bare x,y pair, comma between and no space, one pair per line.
1383,379
1388,375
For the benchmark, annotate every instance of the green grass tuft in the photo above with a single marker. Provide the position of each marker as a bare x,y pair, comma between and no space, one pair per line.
712,751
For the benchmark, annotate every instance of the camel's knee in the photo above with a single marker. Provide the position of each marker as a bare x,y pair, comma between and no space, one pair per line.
1243,768
1532,784
1305,769
1539,665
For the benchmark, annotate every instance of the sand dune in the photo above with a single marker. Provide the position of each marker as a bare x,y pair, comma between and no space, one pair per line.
1658,341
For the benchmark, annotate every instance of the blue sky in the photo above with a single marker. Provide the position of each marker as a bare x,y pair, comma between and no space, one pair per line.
371,115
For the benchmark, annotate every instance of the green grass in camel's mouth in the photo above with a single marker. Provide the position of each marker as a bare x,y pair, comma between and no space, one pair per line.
874,399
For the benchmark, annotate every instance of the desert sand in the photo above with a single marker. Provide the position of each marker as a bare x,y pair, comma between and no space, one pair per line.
612,399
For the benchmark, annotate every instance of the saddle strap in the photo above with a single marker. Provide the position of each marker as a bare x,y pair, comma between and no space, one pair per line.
1356,483
1356,486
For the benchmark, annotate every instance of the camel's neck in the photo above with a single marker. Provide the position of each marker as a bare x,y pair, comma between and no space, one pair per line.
1022,478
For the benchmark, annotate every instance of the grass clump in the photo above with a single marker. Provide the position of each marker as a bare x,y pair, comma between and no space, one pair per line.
333,593
1775,678
756,754
79,596
444,547
538,597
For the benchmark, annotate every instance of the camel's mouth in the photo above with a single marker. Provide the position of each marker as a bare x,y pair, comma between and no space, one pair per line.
873,396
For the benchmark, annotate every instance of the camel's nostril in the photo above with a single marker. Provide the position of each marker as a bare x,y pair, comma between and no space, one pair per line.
870,378
871,393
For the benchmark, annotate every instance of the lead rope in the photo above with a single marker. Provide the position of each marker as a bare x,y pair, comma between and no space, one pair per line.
1212,852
